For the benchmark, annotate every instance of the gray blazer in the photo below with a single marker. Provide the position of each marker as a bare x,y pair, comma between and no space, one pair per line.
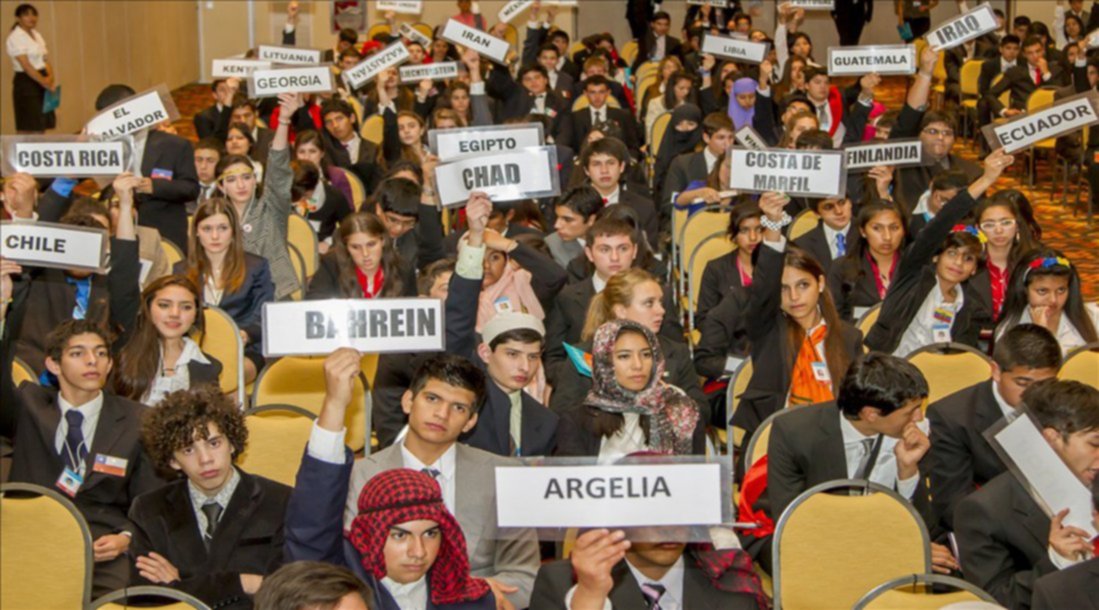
513,558
264,222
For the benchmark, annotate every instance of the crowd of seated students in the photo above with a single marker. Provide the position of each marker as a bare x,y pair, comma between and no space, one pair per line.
564,329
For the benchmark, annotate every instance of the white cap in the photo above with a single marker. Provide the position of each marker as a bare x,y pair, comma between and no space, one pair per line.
510,320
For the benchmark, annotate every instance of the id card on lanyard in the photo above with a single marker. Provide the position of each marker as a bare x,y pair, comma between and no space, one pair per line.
941,321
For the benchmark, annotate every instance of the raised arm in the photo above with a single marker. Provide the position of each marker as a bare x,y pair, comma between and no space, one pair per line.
765,294
465,284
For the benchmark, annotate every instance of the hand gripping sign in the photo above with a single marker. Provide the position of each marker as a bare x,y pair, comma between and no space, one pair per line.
804,173
53,156
1026,130
312,328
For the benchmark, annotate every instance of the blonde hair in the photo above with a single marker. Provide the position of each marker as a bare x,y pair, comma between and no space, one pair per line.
618,291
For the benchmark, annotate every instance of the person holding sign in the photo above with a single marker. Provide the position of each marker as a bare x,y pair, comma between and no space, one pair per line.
861,278
33,74
1045,289
531,95
363,264
842,114
1024,79
733,271
403,132
1006,540
213,122
827,241
1068,588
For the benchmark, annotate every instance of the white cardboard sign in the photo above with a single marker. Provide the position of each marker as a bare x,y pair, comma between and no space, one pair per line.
140,112
512,9
750,138
288,55
305,79
1024,131
527,173
365,71
451,144
241,68
893,153
963,28
805,173
414,35
744,51
608,495
301,328
814,5
491,47
47,158
713,3
437,71
405,7
875,59
47,244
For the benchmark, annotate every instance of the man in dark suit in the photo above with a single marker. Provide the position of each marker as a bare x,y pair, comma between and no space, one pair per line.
82,440
244,111
533,96
213,122
215,531
1005,60
851,16
537,51
604,161
829,240
657,44
343,146
961,460
1005,539
1069,586
598,114
1023,80
606,569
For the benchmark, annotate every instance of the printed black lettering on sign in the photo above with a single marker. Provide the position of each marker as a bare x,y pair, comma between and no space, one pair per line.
490,145
493,175
372,324
616,488
31,243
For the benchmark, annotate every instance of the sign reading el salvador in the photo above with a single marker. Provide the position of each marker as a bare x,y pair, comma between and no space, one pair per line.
813,5
136,113
750,138
365,71
963,28
894,153
288,55
1024,131
241,68
804,173
311,79
491,47
512,9
877,59
608,495
305,328
526,173
407,7
414,35
47,244
451,144
437,71
53,156
734,48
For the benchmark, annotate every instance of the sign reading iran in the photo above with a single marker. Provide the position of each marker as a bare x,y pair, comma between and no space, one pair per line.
304,328
131,115
451,144
528,173
313,79
818,173
894,153
750,138
45,157
608,495
289,55
1069,114
365,71
813,5
47,244
491,47
878,59
228,68
406,7
963,28
414,35
439,71
735,48
512,9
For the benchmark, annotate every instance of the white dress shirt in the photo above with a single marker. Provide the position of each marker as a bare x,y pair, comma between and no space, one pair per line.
32,45
884,471
90,410
830,235
612,198
630,438
598,283
163,385
410,596
446,465
352,147
672,581
711,159
598,115
921,330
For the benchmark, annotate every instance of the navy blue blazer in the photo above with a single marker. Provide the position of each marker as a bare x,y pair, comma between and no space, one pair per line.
245,305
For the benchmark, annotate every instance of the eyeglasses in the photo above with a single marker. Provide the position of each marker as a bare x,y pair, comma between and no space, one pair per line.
934,133
989,226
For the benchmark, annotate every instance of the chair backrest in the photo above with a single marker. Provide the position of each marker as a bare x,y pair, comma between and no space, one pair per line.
424,29
300,382
760,442
277,436
575,48
939,72
358,191
377,29
1082,364
715,245
45,551
1005,97
656,138
301,235
581,103
949,367
806,221
21,372
738,383
511,35
222,341
915,592
646,69
867,320
373,128
117,600
697,228
970,76
629,52
171,252
1039,99
891,537
297,261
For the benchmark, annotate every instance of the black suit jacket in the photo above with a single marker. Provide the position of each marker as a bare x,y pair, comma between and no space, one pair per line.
1066,588
723,333
517,102
1020,81
989,71
852,283
960,459
582,126
719,279
815,242
326,282
1003,536
264,137
807,449
392,379
245,305
366,169
165,209
556,578
672,46
646,212
248,538
575,436
213,123
684,169
910,183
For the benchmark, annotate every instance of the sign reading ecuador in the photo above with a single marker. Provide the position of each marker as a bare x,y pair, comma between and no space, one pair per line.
1024,131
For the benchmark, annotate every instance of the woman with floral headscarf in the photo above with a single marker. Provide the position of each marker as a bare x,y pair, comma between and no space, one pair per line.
630,408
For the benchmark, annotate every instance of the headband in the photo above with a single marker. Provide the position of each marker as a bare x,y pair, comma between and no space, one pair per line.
1047,262
972,230
235,170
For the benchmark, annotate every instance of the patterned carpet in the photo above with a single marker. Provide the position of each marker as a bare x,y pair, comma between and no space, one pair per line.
1064,226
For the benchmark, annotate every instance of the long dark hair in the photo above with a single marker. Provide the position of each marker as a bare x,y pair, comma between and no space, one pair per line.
233,268
669,91
368,223
137,366
247,133
834,352
852,270
313,137
1024,239
1016,300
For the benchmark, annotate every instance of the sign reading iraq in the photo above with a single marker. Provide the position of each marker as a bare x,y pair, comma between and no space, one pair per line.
877,59
305,79
47,244
1024,131
53,156
491,47
735,48
894,153
306,328
818,173
963,28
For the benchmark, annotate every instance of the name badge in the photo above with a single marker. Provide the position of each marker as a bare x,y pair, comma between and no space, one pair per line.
109,464
502,305
161,174
820,372
69,482
940,333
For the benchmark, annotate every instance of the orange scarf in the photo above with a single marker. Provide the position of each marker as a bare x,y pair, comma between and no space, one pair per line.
805,388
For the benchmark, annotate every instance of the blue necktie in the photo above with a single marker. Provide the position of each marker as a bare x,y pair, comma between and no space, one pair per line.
74,450
841,244
83,291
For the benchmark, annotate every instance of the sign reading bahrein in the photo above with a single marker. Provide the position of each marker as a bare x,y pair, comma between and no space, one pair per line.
818,173
305,328
608,495
135,113
451,144
894,153
512,9
288,55
963,28
365,71
437,71
527,173
750,138
241,68
312,79
53,156
491,47
1024,131
735,48
878,59
405,7
47,244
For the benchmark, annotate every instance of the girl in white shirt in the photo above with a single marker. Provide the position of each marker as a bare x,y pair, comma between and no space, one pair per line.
33,73
1045,289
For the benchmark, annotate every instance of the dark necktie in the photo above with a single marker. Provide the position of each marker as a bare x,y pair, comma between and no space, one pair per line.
841,244
865,467
74,450
598,117
433,472
83,291
212,510
653,592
